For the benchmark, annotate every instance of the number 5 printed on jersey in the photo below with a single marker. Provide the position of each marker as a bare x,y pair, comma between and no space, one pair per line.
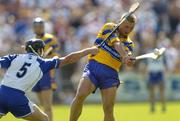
23,70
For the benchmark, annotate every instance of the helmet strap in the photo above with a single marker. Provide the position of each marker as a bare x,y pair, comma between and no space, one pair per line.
33,50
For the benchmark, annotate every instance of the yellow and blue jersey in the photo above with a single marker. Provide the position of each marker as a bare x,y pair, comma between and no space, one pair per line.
50,41
47,80
107,54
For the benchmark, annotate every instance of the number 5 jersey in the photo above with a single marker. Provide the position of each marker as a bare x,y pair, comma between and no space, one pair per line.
25,70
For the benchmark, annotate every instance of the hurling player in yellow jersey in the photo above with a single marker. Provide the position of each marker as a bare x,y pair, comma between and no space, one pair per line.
44,88
102,69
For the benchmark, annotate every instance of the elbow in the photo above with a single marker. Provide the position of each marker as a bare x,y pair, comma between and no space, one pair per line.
69,60
65,61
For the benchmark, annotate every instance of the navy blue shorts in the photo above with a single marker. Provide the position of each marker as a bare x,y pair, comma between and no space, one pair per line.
155,77
43,84
101,76
14,101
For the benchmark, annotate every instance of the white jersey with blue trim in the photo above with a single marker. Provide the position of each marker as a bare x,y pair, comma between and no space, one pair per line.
156,65
25,70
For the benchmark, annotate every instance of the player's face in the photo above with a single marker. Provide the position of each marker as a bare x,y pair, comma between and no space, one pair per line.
38,29
126,28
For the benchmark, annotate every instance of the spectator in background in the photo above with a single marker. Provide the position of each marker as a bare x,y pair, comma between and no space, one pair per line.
172,53
160,9
173,13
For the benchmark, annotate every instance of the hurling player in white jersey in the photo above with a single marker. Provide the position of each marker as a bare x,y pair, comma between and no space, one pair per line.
23,72
156,71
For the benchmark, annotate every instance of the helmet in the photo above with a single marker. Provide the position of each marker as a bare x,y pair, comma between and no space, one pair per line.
33,45
38,26
38,20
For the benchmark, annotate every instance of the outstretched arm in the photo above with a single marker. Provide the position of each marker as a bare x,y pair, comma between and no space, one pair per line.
75,56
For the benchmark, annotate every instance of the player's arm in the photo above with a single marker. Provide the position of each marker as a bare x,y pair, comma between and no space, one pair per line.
55,62
119,48
126,56
114,40
5,61
75,56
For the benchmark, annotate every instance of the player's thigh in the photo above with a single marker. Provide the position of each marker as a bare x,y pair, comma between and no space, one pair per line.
45,97
161,86
152,87
108,97
37,115
85,87
39,97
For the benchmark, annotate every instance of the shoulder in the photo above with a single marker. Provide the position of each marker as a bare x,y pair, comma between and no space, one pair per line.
48,64
50,38
129,40
126,39
6,61
47,35
109,25
40,59
26,57
12,56
107,28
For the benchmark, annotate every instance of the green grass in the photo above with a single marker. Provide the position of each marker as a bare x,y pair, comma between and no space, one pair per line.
123,112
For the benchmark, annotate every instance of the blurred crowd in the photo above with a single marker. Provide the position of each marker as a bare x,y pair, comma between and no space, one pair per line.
77,22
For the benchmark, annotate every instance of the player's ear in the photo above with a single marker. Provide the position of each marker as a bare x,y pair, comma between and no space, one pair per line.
22,48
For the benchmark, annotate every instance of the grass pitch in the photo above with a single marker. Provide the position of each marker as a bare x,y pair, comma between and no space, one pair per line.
123,112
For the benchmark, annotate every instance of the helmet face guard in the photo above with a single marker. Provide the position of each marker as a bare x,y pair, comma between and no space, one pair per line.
34,45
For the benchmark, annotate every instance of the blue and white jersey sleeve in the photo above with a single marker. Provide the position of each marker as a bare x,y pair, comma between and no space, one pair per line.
5,61
48,64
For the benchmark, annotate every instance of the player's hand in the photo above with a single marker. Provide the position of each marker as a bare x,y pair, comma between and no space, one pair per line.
129,60
94,50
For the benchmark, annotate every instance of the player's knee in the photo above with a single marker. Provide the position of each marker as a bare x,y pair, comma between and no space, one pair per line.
45,117
80,96
108,108
48,108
